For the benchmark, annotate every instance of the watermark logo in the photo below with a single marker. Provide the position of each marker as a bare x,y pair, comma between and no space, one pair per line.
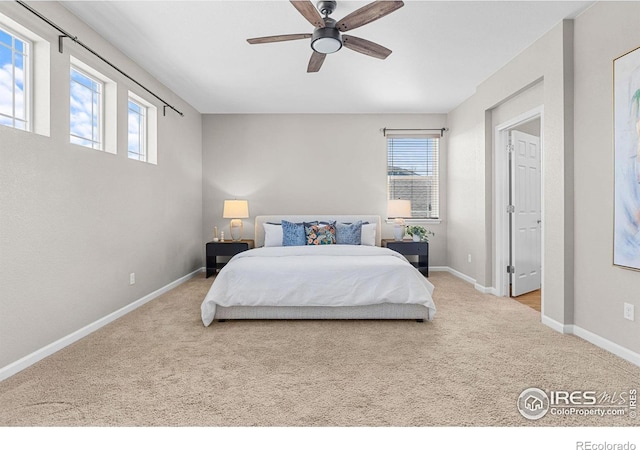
533,403
588,445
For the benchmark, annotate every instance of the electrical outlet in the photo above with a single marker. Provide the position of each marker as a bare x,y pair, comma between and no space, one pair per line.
628,311
132,278
469,257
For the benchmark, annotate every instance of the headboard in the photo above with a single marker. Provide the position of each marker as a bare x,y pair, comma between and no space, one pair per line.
260,220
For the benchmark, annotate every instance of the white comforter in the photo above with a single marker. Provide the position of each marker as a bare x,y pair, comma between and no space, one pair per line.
317,275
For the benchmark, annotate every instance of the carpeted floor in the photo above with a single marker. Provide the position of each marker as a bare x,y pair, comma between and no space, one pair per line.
158,366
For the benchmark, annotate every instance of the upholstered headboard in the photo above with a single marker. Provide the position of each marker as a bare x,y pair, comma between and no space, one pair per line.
260,220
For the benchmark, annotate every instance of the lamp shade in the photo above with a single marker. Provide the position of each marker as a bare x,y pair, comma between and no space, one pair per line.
235,209
399,209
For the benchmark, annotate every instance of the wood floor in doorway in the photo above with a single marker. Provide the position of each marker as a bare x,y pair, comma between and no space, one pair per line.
531,299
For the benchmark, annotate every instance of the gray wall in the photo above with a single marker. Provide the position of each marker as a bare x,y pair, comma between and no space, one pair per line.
603,33
75,222
307,164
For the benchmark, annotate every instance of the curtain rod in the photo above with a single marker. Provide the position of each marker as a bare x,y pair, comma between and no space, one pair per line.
441,130
77,41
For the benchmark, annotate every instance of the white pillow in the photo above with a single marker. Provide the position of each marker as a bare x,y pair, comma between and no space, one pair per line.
272,235
368,236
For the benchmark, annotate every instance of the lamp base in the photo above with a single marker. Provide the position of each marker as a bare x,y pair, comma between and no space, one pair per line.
236,228
398,232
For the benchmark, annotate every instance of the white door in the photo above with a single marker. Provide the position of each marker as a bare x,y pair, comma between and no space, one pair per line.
526,217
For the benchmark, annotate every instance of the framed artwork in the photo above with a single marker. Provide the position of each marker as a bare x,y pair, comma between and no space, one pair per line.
626,123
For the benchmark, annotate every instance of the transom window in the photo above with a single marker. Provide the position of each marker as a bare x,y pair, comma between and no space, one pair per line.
412,173
137,144
14,89
86,109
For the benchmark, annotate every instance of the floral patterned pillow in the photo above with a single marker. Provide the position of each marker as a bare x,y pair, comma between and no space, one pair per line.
320,234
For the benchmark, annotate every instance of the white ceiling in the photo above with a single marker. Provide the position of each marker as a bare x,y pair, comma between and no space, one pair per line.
442,50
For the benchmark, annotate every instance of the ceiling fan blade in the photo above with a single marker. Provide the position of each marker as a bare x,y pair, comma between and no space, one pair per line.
369,13
315,62
306,8
366,47
279,38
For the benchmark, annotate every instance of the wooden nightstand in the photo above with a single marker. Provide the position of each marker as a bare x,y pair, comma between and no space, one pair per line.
226,248
421,249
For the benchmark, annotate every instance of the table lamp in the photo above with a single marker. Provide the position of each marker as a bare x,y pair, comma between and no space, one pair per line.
398,210
236,210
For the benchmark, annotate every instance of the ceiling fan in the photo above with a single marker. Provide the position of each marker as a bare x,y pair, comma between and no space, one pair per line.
326,38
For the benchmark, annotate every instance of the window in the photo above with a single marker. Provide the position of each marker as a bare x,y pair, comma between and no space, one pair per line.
14,80
137,142
86,109
142,131
412,173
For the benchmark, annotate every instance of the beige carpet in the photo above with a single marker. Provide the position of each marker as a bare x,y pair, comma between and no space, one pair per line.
160,366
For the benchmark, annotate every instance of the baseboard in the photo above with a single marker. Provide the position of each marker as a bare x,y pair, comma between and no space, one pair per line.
606,344
555,325
485,289
593,338
468,279
61,343
461,275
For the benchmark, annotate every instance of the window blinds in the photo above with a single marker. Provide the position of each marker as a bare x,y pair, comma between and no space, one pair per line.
412,173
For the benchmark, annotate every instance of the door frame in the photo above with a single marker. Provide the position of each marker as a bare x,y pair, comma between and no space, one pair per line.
501,198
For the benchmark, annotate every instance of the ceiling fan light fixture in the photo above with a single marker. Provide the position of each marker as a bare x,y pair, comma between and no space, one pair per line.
326,40
326,37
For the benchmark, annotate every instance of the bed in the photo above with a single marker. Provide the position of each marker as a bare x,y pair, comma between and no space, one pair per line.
318,281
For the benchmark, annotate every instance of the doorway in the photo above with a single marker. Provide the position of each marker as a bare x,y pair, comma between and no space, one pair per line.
518,208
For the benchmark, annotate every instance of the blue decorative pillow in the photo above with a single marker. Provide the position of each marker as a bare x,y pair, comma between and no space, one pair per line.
292,234
349,234
318,234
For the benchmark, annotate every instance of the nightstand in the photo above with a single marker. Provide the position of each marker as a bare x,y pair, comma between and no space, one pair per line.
421,249
226,248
